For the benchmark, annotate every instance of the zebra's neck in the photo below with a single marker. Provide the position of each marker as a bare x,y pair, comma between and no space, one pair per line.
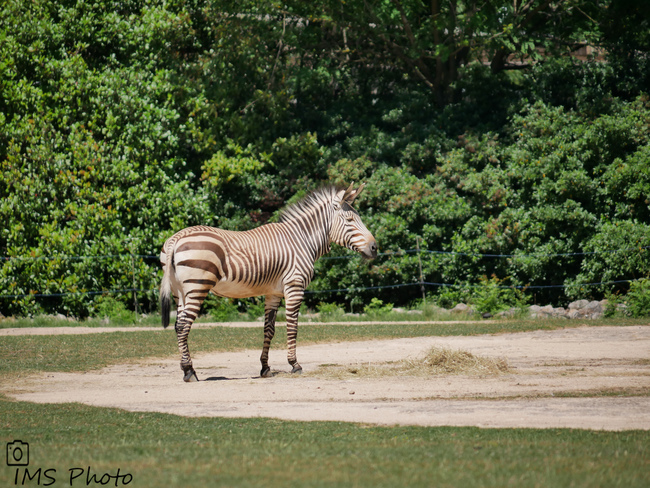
313,229
311,221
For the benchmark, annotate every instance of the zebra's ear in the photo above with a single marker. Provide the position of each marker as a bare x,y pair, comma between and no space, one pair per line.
341,196
351,194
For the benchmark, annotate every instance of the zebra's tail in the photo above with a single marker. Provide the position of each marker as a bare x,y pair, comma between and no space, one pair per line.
166,289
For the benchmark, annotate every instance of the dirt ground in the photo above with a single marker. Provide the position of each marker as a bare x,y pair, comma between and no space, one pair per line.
588,378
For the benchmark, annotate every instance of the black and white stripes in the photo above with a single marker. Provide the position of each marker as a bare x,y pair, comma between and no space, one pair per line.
275,260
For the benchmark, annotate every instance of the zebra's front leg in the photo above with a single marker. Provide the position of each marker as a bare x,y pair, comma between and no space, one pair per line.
293,299
270,311
183,326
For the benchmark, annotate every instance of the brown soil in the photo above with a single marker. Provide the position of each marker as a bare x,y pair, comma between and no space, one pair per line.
589,377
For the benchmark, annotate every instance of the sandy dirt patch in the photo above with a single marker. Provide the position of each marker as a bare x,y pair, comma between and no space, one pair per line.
560,378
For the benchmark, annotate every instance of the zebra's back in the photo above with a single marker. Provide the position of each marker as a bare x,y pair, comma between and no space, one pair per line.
232,264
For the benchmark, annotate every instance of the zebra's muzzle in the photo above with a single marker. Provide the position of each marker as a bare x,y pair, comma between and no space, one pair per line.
369,251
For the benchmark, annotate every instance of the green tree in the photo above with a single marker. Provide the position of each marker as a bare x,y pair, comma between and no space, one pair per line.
432,41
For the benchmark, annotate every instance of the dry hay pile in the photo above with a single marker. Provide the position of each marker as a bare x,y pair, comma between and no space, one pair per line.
436,362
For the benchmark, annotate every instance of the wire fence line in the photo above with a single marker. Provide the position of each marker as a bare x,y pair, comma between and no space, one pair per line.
383,254
400,253
76,258
334,290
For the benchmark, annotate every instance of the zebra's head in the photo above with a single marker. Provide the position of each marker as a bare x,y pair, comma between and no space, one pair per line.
347,229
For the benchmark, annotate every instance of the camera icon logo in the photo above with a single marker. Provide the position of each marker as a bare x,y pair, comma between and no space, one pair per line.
17,453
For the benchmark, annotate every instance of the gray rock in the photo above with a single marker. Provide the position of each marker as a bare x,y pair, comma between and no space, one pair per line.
511,312
547,309
573,314
463,308
578,304
460,308
593,307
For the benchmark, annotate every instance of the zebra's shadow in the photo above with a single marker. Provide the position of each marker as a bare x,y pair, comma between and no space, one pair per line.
224,378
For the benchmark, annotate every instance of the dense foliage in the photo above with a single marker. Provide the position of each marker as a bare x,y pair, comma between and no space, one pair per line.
123,122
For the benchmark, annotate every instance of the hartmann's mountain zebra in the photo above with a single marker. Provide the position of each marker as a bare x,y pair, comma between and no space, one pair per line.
275,260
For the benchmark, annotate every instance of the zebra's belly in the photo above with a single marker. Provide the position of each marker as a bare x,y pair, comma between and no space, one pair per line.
244,290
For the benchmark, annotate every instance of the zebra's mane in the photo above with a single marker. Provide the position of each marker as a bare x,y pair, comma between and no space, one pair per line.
314,200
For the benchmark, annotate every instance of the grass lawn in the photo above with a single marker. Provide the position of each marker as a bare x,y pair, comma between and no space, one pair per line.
167,450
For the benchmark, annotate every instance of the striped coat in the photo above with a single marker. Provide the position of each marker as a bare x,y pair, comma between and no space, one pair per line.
275,260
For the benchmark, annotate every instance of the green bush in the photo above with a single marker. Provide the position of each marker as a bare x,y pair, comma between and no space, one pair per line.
254,308
220,309
329,311
377,308
492,296
638,298
449,297
107,307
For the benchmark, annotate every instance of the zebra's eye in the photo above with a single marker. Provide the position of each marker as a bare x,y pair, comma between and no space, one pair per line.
349,218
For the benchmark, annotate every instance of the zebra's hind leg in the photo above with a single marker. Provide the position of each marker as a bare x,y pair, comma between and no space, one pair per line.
293,299
183,326
270,311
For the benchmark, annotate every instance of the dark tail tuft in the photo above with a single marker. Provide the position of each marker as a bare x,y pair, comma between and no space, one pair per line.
165,289
164,309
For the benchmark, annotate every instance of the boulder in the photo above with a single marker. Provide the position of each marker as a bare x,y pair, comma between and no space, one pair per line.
538,312
593,310
573,314
578,304
559,312
593,307
585,309
546,311
460,308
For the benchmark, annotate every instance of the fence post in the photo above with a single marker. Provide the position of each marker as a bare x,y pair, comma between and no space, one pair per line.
417,246
135,296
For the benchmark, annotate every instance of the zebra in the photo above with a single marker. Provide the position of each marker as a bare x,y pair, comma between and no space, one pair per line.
275,260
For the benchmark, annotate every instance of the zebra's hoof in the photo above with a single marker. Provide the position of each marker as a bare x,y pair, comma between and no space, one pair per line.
297,369
266,373
190,376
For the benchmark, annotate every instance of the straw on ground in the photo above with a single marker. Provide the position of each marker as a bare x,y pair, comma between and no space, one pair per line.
437,361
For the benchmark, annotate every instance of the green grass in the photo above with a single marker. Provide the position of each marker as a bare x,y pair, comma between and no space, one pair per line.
29,354
129,320
169,450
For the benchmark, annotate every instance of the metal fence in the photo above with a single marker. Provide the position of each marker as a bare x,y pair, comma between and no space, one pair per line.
422,282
